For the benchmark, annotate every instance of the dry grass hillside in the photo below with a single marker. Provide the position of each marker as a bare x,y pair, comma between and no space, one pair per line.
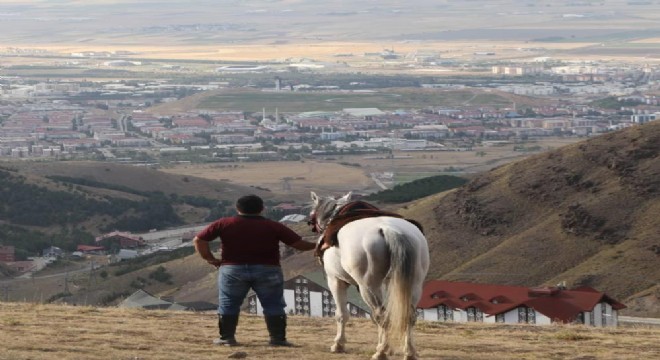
192,279
5,271
586,214
54,332
103,181
137,178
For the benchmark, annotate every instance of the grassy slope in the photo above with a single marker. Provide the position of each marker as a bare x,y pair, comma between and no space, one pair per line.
5,271
138,178
585,214
513,225
49,332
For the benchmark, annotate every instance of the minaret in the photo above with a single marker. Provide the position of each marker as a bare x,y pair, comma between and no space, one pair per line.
277,119
263,114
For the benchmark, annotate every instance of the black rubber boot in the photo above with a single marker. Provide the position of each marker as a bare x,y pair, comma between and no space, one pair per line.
276,325
227,328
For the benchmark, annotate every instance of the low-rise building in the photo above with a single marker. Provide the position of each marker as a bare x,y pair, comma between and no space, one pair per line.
7,253
120,240
52,251
21,266
89,249
471,302
125,254
309,295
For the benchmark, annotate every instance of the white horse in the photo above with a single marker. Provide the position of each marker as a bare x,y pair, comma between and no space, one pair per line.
387,258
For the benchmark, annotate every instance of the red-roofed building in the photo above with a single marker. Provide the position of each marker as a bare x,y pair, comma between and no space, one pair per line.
120,240
21,266
90,249
191,122
7,254
470,302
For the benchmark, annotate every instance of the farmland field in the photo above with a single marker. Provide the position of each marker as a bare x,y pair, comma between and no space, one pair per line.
389,99
330,174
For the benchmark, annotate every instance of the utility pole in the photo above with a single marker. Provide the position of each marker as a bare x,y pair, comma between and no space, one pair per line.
66,282
92,274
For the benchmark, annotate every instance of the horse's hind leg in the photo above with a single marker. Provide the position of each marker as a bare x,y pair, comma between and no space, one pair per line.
409,352
372,296
338,289
382,349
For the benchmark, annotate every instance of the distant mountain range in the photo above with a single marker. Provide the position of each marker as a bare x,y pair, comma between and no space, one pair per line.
207,22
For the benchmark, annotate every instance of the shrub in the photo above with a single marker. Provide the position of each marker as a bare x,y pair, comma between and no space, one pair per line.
161,275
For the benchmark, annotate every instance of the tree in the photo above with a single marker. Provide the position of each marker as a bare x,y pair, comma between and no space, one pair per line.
529,112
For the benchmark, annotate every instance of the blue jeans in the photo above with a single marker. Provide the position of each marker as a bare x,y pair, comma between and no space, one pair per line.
234,282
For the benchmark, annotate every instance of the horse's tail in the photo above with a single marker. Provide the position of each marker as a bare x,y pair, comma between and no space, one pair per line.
399,310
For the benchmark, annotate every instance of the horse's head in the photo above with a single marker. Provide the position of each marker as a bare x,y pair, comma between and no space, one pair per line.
324,209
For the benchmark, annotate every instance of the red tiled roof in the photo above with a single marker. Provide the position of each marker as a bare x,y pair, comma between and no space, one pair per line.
89,248
454,290
557,304
126,235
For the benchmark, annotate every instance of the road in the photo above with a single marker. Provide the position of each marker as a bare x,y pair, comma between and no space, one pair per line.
630,320
107,153
377,181
172,233
28,276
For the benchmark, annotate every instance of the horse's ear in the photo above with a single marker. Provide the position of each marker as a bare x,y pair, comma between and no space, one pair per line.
346,198
315,198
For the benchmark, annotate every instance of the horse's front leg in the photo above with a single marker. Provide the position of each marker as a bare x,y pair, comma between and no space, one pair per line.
338,289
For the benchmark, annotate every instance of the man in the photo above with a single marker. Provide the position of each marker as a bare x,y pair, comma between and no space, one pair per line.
250,259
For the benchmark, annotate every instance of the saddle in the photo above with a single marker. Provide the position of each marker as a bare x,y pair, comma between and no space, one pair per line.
352,211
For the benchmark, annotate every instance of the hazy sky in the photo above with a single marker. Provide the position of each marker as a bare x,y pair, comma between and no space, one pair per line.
117,21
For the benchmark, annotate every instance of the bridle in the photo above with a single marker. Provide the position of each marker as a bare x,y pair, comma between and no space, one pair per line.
316,226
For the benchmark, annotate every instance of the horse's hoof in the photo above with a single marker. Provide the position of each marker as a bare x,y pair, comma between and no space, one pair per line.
337,348
379,356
